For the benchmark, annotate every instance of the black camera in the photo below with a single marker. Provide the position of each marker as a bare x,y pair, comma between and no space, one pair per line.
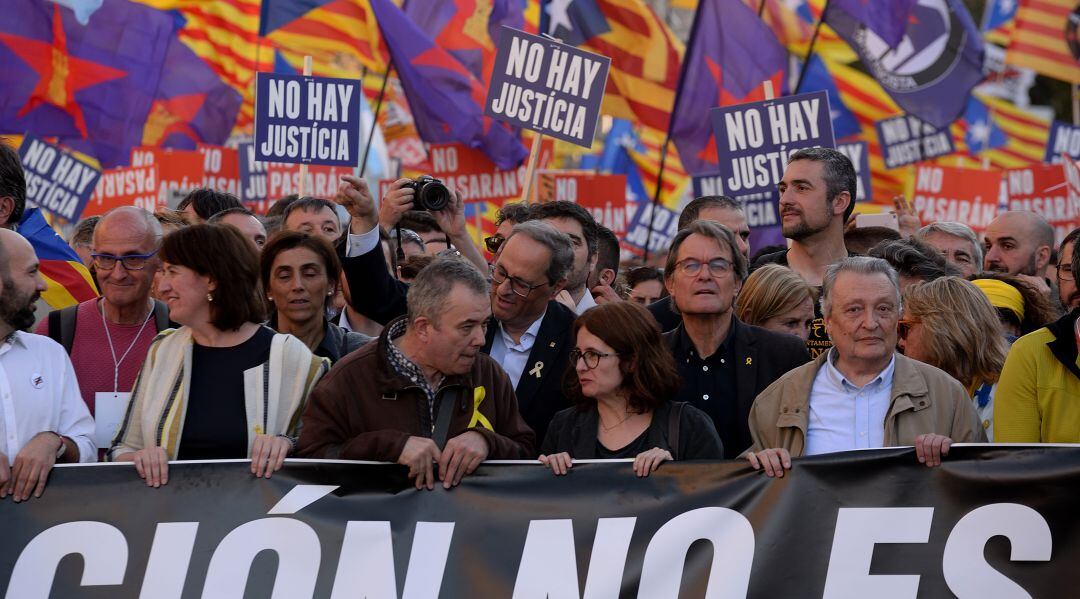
431,194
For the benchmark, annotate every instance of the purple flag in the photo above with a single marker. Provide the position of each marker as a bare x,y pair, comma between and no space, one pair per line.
932,71
447,100
887,18
90,85
727,60
451,25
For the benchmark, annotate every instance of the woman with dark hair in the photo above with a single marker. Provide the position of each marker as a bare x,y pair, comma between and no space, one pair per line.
299,273
646,284
621,375
221,386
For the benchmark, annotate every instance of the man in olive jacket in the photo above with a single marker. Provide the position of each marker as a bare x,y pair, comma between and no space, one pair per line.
861,393
423,393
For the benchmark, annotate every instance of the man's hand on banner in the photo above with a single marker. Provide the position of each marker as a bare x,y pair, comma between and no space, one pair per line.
353,194
420,455
461,456
397,201
774,461
647,462
929,448
558,463
268,454
31,467
152,464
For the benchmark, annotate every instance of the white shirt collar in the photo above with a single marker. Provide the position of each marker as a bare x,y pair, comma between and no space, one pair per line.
587,301
838,378
527,337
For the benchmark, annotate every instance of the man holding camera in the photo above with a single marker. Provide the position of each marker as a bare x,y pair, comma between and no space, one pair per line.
530,336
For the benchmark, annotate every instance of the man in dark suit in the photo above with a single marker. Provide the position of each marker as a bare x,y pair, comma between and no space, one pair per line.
724,363
530,333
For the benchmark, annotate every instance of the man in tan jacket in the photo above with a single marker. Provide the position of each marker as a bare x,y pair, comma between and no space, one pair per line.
861,394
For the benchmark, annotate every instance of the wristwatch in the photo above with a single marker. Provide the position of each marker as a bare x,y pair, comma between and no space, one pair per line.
63,448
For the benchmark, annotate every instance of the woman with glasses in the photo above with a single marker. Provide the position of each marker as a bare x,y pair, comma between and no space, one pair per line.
222,386
949,323
299,272
621,376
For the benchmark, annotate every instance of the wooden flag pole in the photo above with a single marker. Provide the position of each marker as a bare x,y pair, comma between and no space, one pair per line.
375,115
530,172
303,167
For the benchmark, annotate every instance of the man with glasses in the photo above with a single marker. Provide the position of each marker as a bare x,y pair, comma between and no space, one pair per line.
724,363
510,215
108,337
1066,279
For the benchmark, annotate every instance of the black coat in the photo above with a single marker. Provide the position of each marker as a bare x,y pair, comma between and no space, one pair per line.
667,318
575,431
375,292
539,398
761,357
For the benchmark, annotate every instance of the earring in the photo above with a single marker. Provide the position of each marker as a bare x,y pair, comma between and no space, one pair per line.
209,297
329,293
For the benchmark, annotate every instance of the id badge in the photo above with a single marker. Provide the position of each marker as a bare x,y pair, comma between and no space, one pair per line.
108,412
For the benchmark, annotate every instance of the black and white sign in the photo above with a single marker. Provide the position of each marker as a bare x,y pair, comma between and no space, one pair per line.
307,120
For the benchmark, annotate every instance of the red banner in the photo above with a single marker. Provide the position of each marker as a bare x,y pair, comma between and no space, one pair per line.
128,186
179,171
602,195
476,177
221,168
322,181
1042,189
969,196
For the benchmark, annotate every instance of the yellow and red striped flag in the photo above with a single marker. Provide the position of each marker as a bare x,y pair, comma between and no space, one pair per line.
1038,39
648,162
1026,135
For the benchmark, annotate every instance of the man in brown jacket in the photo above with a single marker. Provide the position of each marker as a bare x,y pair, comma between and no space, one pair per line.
861,393
422,392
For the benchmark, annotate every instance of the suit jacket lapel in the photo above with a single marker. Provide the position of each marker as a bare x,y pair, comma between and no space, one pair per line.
746,367
542,357
492,330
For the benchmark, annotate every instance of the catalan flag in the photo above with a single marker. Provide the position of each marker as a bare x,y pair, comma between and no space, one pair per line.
1039,39
645,54
999,21
339,35
69,282
1020,139
467,29
676,178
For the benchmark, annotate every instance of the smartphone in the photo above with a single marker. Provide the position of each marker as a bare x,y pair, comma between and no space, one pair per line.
884,219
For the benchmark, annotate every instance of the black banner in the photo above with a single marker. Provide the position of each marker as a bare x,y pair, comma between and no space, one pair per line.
991,522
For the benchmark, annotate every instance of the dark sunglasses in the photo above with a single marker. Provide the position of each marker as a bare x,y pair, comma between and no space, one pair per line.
494,242
903,326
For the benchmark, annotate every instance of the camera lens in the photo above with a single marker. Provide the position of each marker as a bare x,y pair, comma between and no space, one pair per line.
433,196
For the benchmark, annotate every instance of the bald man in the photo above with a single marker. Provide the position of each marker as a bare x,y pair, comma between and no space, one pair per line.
42,418
108,337
1019,242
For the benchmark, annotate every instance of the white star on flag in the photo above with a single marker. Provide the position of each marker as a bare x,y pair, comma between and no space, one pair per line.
558,11
980,133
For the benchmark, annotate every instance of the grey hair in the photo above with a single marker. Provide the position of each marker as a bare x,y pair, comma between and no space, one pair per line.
954,229
430,289
863,265
715,231
557,242
153,225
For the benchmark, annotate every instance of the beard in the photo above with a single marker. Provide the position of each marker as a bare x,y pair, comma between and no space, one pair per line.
17,310
803,229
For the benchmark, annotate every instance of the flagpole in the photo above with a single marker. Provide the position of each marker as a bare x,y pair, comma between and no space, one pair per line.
667,137
761,9
810,49
375,116
304,167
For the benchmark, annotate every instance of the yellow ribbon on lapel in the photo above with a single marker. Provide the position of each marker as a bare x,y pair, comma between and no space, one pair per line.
479,419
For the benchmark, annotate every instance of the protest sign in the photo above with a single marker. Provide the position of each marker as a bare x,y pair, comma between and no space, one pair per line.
284,179
221,168
127,186
179,171
754,140
307,120
1064,139
969,196
57,181
546,86
1042,189
472,174
906,140
990,521
859,154
252,175
760,208
604,196
664,227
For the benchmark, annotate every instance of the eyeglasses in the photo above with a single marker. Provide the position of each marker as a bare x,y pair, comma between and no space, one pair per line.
903,326
1065,273
130,261
519,287
592,358
716,266
494,242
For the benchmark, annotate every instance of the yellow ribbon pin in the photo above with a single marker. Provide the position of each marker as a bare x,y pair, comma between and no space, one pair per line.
479,419
749,361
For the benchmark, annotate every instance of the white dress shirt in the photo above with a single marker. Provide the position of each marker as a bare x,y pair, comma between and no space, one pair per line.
587,301
39,392
514,357
844,417
358,245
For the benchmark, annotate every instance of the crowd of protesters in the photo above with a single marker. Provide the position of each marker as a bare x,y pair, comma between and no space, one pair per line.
345,328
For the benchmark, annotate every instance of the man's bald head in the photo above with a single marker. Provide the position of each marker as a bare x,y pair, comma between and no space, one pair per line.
130,221
1018,242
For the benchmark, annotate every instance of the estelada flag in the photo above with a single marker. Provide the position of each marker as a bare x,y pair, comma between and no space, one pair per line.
69,282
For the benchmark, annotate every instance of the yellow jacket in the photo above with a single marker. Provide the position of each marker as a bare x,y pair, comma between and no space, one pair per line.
1038,396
